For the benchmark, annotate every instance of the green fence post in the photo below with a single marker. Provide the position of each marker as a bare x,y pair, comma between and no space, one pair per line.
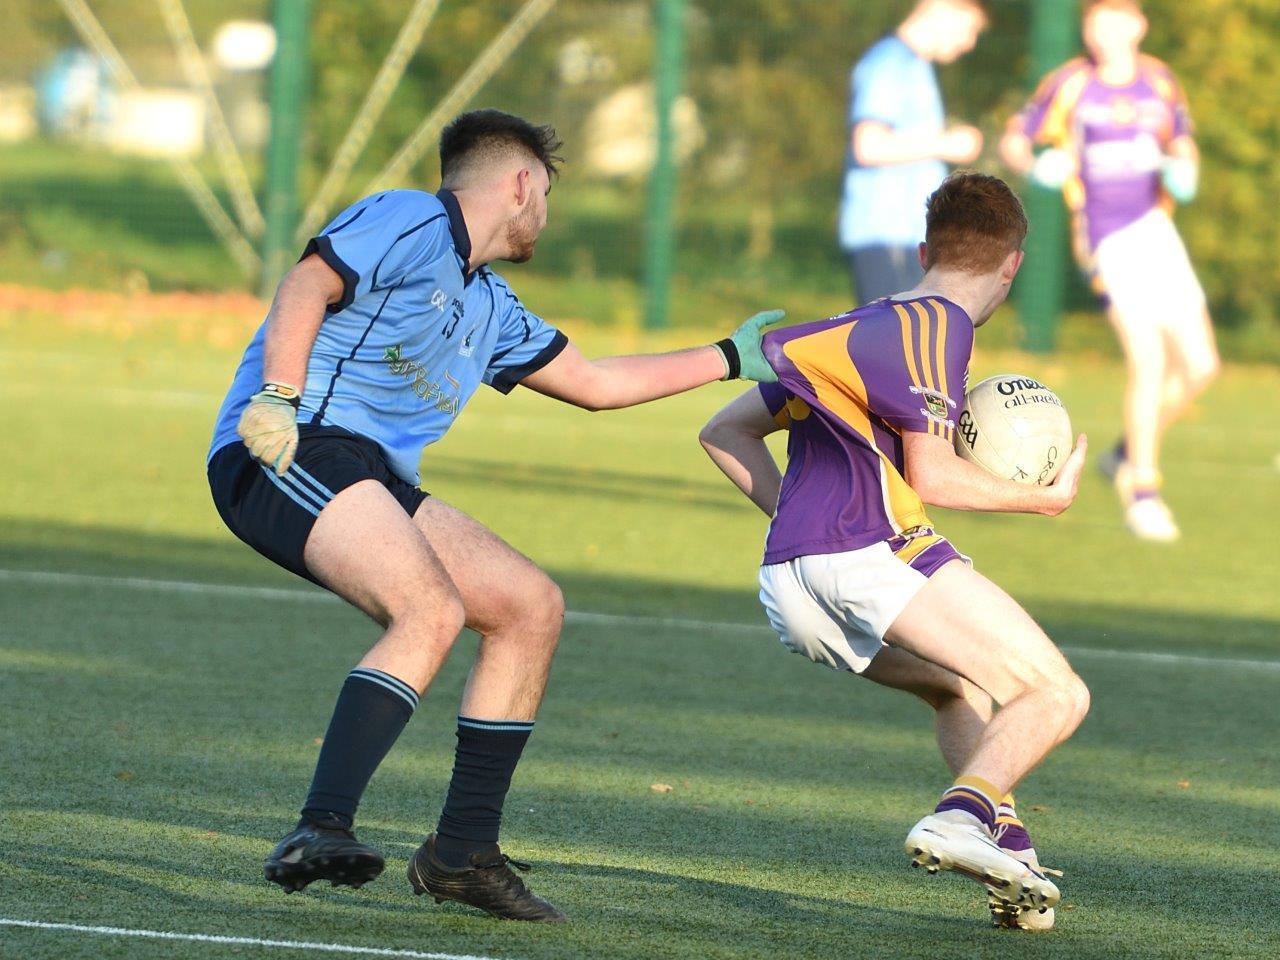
659,221
1042,282
288,98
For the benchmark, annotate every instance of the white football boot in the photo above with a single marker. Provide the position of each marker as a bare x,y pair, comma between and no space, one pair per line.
958,841
1015,918
1151,519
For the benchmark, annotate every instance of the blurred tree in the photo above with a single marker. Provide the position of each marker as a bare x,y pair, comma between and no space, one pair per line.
771,84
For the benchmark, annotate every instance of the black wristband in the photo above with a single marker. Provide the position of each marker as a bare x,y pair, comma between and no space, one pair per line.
730,351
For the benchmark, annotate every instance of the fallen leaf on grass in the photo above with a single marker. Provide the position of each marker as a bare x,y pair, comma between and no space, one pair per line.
124,774
661,787
1184,784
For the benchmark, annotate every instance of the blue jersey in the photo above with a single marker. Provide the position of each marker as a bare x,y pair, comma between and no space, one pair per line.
885,205
413,336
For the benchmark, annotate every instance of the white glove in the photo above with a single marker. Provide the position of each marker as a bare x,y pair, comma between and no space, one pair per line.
1053,168
1181,177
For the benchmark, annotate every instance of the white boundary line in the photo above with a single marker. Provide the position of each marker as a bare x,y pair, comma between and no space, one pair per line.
237,941
54,578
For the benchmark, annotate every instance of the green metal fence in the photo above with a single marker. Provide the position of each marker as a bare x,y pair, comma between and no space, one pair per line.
705,142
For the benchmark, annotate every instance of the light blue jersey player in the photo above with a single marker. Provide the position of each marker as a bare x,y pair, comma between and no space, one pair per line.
375,342
412,336
900,144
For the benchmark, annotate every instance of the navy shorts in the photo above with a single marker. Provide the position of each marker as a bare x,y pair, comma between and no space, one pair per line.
274,515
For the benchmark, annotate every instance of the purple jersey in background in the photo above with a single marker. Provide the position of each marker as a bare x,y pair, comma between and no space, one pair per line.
1119,135
848,388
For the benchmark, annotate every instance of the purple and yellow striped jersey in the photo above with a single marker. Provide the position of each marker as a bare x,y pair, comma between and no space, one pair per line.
848,388
1118,134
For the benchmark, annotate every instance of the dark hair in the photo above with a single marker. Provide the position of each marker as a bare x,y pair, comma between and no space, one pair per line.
480,134
973,222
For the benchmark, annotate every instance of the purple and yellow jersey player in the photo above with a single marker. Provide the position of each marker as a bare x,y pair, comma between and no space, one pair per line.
849,387
1115,137
1120,145
854,575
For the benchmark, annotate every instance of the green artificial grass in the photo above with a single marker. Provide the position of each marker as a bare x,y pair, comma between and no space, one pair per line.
156,743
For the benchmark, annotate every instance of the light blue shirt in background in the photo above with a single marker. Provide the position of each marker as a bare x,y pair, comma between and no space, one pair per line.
893,85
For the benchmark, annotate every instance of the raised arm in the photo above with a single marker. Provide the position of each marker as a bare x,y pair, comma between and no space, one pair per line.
734,440
941,478
613,382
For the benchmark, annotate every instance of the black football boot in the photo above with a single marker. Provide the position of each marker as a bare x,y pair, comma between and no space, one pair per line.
489,883
316,851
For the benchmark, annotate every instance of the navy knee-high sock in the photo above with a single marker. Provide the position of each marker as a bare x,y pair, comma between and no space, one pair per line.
486,758
372,710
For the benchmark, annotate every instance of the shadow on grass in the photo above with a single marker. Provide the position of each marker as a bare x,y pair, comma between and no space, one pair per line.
46,545
210,723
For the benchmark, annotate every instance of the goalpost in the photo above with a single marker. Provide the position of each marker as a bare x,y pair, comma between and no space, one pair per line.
285,231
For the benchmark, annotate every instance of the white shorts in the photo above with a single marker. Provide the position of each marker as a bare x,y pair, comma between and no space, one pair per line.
1146,273
835,608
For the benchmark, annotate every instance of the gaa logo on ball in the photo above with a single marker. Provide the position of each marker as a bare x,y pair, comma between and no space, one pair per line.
1014,427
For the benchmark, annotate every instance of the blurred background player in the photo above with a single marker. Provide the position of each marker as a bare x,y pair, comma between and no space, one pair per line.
1121,149
899,145
854,575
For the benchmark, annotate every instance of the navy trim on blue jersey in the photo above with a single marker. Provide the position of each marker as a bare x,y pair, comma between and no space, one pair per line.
506,381
373,281
337,370
347,222
457,227
322,246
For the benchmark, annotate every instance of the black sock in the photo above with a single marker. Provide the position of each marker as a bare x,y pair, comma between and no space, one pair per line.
372,709
488,751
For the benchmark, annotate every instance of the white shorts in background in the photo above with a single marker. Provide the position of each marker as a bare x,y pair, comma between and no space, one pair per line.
1148,277
835,608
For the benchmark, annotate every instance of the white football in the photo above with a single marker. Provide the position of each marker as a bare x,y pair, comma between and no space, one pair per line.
1014,427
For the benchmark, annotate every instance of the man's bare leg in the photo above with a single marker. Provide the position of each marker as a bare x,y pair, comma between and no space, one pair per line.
963,622
518,612
366,549
476,579
1193,365
966,624
961,709
514,606
962,712
1146,361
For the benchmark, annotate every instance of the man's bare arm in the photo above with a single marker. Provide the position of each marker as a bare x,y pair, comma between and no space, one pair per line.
941,478
613,382
734,440
294,320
